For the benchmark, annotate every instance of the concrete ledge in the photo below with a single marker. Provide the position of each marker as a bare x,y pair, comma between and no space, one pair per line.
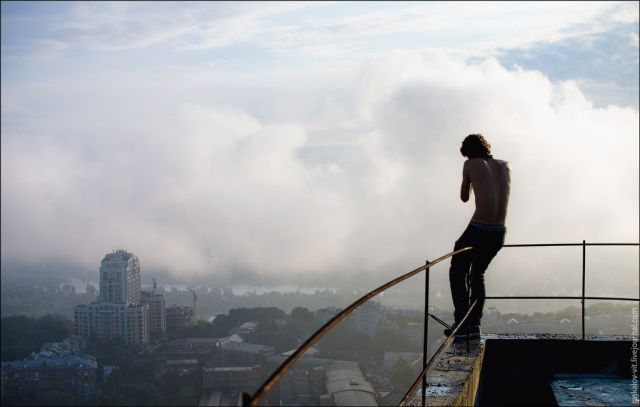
454,380
517,369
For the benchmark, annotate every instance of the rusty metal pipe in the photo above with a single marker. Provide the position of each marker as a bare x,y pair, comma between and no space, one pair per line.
283,368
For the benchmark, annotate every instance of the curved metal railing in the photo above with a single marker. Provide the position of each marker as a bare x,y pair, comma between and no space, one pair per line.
253,400
437,353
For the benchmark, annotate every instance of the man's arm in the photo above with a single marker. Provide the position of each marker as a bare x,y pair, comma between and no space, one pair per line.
465,188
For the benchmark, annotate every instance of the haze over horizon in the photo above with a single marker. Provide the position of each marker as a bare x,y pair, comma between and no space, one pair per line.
317,143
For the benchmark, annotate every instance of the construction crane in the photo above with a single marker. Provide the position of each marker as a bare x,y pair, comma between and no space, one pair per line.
155,285
195,296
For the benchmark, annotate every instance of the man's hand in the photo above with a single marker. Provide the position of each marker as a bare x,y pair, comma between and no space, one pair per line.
465,188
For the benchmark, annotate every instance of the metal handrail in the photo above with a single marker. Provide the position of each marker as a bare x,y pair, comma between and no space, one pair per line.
583,297
442,347
252,400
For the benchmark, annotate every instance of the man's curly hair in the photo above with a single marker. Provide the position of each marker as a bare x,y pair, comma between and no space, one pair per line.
475,146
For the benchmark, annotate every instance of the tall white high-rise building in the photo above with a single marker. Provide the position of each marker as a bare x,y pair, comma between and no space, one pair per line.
118,311
120,278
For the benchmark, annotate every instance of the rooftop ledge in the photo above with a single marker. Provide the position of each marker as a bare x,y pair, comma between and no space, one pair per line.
532,370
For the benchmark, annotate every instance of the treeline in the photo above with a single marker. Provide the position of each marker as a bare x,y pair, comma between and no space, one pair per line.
27,295
21,298
22,335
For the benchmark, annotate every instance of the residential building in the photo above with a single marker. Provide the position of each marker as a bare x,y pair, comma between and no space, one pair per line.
233,349
58,366
120,278
107,320
157,313
178,317
366,318
119,311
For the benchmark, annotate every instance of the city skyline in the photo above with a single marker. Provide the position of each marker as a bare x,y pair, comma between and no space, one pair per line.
315,143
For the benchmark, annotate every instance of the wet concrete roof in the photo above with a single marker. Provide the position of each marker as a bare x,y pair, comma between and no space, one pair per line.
447,379
591,390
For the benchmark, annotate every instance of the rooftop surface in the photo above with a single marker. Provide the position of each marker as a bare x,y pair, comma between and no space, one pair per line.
532,369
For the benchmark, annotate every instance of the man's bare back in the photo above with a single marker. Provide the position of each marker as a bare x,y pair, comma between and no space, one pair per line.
490,180
491,183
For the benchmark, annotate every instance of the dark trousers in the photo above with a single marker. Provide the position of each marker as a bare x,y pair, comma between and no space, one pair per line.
466,274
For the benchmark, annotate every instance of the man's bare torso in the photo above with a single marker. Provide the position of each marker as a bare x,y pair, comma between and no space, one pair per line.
490,181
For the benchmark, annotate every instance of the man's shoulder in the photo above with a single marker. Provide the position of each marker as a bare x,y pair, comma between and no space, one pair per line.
480,163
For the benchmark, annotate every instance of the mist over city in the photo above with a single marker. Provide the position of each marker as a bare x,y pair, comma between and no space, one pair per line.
304,154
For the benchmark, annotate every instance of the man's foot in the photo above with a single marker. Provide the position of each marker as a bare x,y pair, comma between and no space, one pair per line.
459,334
474,331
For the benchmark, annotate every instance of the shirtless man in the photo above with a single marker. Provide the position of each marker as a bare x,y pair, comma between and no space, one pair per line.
490,180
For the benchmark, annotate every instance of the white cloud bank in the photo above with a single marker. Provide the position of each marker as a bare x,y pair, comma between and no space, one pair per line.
313,178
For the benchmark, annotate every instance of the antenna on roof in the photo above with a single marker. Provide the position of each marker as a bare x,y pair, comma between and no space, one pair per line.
195,296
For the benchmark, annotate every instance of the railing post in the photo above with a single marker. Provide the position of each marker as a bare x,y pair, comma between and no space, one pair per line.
425,338
246,399
467,327
584,249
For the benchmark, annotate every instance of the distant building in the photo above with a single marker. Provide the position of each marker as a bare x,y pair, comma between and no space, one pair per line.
366,318
157,313
57,366
347,386
178,317
119,311
190,348
107,370
323,382
182,366
414,332
107,320
223,385
323,315
413,359
309,353
233,349
231,377
120,278
245,328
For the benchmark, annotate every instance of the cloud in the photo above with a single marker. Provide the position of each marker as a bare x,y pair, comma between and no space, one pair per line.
457,27
115,26
318,176
328,29
40,50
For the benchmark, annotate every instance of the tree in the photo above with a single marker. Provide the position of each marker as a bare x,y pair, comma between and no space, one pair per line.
91,290
221,325
202,329
22,335
303,317
144,394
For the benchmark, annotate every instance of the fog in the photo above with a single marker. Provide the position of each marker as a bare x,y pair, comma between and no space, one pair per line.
360,179
345,173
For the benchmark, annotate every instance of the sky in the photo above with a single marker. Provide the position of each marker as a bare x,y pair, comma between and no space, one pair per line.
317,143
